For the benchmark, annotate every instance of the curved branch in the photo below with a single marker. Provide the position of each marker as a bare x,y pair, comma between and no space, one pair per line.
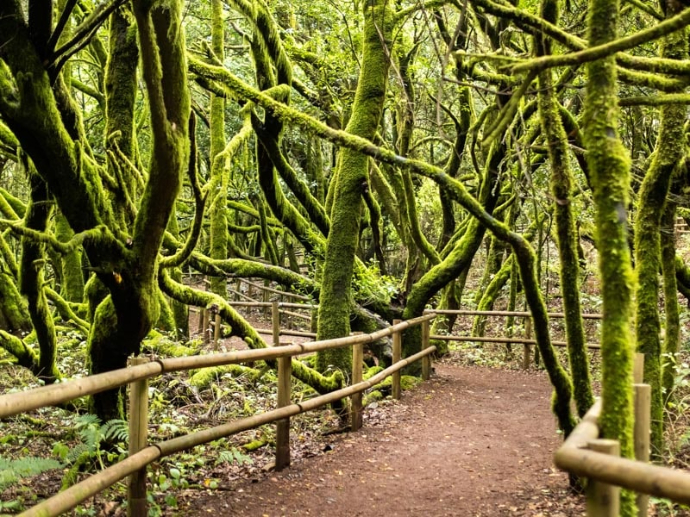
200,205
607,49
83,32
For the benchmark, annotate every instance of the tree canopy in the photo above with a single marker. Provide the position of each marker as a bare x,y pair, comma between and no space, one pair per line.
382,141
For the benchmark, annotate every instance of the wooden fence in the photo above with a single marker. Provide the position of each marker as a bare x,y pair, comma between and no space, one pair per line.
142,368
596,459
210,323
527,342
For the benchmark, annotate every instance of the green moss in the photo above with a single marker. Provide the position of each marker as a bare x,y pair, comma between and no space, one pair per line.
609,167
672,330
567,238
336,297
72,287
166,318
13,307
202,379
670,149
25,355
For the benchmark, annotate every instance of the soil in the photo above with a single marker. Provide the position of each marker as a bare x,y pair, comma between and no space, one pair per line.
470,442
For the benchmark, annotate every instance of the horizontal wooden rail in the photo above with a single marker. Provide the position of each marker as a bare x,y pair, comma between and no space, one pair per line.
641,477
516,340
207,435
276,291
288,305
517,314
54,394
23,401
241,295
68,499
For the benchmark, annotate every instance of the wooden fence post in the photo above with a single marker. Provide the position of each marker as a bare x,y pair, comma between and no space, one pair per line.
643,403
138,430
238,289
356,410
275,322
426,360
527,349
200,322
638,368
204,324
216,331
265,298
603,500
283,426
397,355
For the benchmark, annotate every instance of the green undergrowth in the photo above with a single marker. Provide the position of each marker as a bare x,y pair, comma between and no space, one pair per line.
50,449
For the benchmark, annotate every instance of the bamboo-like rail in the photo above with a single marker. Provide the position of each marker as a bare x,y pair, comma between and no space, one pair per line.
276,291
288,305
54,394
515,340
573,456
142,455
585,454
517,314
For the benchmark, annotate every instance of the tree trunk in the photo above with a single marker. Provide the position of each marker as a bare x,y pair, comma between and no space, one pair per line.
335,302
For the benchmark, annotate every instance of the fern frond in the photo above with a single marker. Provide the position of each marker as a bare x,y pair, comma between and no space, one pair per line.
12,471
76,451
115,430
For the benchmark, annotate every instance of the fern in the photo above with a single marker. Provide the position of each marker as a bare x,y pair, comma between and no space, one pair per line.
115,430
75,452
12,471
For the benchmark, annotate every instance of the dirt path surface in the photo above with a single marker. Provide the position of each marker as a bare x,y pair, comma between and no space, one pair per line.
470,442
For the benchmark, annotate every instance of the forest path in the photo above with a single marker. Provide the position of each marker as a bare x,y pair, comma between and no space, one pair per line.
470,442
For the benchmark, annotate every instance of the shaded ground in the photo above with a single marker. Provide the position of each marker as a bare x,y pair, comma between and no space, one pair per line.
471,442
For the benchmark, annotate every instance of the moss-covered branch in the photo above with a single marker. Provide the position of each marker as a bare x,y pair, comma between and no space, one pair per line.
241,328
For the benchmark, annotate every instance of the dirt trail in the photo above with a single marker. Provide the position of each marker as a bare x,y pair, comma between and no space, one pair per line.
470,442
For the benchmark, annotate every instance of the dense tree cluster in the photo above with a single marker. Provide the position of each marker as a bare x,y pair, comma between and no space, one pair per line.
383,141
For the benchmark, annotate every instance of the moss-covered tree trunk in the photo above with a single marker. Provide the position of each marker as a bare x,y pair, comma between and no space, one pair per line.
567,238
219,176
335,303
38,110
670,148
32,280
72,277
609,167
671,306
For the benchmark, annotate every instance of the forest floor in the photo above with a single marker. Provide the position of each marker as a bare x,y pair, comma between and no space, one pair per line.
473,441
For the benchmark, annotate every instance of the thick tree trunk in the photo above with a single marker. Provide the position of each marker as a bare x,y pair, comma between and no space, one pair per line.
567,239
336,299
670,149
609,167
